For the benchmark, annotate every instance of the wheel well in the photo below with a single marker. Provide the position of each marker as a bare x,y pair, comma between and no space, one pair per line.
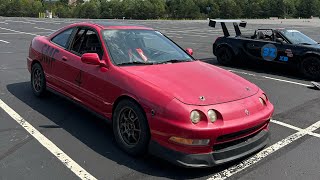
125,97
35,62
225,46
310,55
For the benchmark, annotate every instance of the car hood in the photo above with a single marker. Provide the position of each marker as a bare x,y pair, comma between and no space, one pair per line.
195,83
317,46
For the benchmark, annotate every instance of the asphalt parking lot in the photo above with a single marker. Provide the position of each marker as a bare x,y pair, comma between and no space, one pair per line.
293,152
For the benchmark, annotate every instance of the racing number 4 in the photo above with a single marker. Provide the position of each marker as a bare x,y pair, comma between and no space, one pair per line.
78,79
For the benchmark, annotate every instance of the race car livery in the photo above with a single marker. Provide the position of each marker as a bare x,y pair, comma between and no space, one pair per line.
158,98
273,45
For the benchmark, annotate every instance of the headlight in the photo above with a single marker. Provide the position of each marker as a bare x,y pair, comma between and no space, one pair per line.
195,117
212,115
263,99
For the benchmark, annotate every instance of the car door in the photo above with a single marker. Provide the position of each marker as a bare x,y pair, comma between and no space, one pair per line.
252,48
66,65
287,52
92,80
270,50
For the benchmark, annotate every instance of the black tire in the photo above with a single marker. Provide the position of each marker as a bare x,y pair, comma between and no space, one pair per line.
38,80
310,68
130,128
224,55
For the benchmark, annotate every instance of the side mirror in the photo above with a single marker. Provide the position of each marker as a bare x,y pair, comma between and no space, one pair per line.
280,40
189,51
91,58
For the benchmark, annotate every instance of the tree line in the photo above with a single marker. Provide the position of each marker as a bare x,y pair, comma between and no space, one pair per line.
163,9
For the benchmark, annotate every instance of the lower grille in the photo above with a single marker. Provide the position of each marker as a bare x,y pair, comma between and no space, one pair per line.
233,143
242,133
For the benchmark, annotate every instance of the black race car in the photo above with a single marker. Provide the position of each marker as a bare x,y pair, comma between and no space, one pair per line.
274,45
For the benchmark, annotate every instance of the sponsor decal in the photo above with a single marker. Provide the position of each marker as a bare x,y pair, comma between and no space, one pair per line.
48,54
284,58
289,52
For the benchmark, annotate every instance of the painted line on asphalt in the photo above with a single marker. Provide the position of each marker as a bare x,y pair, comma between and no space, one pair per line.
45,29
13,33
58,153
25,22
46,22
263,154
295,128
292,82
6,52
4,41
19,31
271,78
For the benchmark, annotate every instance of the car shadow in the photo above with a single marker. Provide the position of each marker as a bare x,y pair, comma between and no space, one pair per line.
97,134
284,70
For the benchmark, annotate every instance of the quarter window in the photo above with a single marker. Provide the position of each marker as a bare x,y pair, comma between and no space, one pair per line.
62,38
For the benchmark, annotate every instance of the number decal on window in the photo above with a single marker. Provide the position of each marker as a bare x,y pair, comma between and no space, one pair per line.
269,52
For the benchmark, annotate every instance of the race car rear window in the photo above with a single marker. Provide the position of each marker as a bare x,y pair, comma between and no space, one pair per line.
62,38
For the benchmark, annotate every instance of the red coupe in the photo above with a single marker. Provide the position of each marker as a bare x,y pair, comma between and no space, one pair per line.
158,97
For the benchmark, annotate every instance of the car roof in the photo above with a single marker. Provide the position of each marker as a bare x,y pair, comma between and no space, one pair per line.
114,25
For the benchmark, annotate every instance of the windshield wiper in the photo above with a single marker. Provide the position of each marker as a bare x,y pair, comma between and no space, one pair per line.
173,61
135,63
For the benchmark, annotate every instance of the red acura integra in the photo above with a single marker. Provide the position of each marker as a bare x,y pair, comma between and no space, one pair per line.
158,97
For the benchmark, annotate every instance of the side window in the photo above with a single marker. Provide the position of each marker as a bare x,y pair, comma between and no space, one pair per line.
62,38
78,40
87,41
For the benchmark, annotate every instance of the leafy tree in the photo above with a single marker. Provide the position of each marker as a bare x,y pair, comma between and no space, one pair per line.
3,7
153,9
183,9
36,7
89,9
252,9
229,9
308,8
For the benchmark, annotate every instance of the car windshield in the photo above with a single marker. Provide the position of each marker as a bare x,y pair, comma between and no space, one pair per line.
142,47
296,37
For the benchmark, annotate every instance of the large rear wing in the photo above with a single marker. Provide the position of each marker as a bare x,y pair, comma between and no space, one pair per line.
236,24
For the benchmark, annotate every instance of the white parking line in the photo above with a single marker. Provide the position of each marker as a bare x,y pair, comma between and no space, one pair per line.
4,41
26,22
292,82
264,153
12,33
6,52
44,29
295,128
63,157
47,22
271,78
18,31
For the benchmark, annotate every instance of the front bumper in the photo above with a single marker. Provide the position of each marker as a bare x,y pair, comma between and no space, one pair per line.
245,147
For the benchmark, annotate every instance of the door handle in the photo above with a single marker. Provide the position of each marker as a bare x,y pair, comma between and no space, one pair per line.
64,58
